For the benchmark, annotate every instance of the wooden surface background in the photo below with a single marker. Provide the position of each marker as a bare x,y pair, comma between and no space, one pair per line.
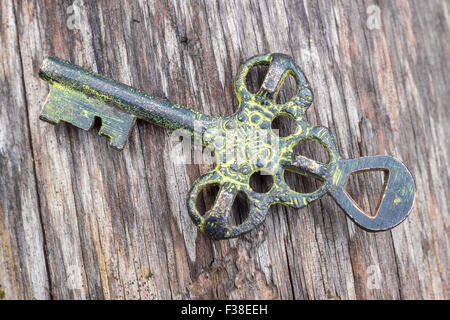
79,220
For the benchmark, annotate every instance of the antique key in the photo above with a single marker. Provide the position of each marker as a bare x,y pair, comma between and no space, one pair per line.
243,143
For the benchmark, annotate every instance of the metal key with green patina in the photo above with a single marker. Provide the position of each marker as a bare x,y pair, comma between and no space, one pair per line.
79,95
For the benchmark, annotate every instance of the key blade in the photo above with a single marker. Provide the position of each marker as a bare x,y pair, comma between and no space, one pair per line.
76,108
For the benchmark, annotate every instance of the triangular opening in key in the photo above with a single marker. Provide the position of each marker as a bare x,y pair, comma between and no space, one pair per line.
367,188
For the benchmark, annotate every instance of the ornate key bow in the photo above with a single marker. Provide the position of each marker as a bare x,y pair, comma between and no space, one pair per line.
243,143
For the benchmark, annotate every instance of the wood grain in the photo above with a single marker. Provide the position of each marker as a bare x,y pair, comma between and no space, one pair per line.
79,220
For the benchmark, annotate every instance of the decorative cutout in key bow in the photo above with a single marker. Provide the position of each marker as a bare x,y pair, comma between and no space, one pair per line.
243,143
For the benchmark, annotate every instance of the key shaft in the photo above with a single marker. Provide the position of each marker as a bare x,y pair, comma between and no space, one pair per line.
133,101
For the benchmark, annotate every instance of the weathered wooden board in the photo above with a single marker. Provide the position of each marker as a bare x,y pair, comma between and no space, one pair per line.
79,220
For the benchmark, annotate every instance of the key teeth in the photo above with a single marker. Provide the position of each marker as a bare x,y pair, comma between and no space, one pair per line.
118,132
74,107
84,122
117,139
66,105
49,120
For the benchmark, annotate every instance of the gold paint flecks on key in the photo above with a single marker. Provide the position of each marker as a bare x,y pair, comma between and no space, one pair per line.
80,95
